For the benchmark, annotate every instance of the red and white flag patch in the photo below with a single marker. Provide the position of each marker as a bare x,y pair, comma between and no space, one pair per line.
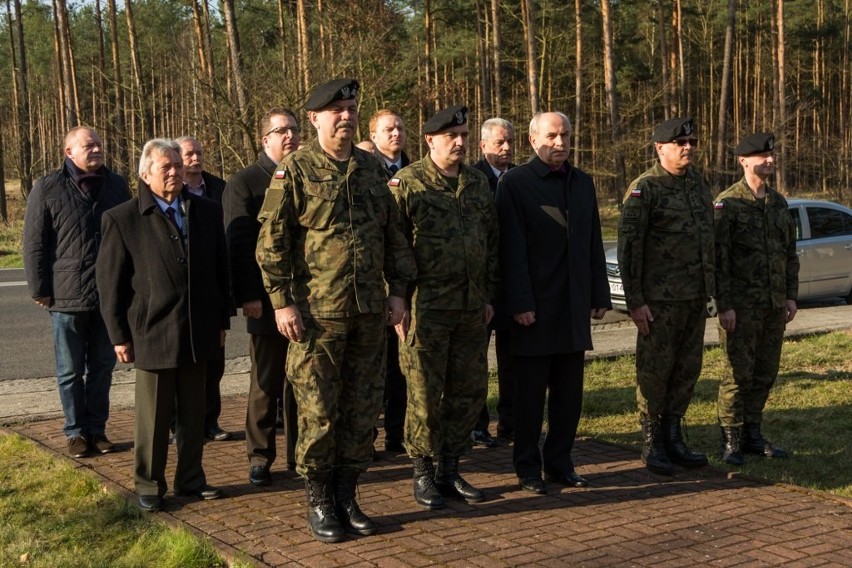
279,174
394,182
636,192
720,205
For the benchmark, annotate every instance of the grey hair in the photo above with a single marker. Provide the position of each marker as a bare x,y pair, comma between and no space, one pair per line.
183,139
489,125
537,116
156,145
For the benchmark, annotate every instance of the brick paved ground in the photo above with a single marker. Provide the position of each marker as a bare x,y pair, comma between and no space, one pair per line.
627,517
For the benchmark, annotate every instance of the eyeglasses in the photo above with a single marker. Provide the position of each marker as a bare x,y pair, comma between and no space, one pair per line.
282,130
684,141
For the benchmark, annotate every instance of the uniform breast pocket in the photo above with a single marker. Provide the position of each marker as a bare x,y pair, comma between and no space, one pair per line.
748,231
318,209
432,217
377,203
671,218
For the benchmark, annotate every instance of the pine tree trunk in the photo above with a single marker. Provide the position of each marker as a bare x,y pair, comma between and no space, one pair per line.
719,177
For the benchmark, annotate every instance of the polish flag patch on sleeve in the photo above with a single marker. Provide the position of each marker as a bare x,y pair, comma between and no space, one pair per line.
394,182
719,205
279,174
636,192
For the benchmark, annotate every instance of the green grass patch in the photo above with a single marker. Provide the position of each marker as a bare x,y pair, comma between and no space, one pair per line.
808,412
53,515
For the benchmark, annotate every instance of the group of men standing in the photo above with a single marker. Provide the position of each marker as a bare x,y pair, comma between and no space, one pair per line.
369,281
677,250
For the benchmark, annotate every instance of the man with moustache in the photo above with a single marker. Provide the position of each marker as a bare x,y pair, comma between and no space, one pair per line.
163,276
204,184
665,252
757,283
62,234
555,280
329,244
387,133
497,143
243,198
449,218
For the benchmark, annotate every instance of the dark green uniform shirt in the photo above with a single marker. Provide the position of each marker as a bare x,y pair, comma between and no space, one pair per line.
330,232
756,261
665,238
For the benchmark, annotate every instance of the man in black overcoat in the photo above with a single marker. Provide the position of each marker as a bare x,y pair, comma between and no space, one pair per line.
554,274
204,184
244,194
497,142
163,278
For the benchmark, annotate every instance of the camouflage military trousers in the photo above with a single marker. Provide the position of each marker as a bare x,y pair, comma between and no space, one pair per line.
754,354
668,359
337,373
445,363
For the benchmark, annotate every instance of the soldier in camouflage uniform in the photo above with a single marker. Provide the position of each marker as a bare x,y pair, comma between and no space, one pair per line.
665,251
330,230
449,217
757,282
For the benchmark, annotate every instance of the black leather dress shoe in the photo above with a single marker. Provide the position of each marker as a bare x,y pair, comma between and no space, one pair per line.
259,475
217,434
150,503
571,479
205,493
533,485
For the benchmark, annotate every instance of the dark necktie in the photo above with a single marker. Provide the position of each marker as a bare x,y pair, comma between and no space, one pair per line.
170,213
393,168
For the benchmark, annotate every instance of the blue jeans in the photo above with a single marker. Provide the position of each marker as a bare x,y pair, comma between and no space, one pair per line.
84,361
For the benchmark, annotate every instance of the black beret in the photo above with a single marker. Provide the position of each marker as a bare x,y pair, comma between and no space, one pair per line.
673,128
447,118
327,93
756,143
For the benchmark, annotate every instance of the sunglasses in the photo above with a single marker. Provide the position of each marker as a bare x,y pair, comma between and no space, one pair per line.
684,141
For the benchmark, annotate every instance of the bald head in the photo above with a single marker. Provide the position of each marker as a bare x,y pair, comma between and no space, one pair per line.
84,148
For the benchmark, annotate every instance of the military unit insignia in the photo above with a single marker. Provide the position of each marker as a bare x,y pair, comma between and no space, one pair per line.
348,92
461,117
687,127
770,144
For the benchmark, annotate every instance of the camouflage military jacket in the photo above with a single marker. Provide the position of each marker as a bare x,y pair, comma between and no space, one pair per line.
756,261
329,237
454,235
665,238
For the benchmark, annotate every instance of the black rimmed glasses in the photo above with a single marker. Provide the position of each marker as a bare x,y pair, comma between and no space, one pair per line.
282,130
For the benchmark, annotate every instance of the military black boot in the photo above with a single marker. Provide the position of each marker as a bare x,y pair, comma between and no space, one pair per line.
731,452
348,512
676,449
321,518
653,449
753,442
425,492
451,484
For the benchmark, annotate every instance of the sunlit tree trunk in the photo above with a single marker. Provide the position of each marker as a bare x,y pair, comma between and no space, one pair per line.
724,97
528,17
612,100
237,71
143,110
121,151
495,57
304,49
22,101
578,80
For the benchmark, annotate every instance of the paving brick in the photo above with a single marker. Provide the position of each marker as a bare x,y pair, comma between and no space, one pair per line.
627,517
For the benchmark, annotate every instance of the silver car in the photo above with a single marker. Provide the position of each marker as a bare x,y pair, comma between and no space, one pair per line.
823,243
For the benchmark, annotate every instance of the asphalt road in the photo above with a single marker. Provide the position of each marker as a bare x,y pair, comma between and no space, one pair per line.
26,339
